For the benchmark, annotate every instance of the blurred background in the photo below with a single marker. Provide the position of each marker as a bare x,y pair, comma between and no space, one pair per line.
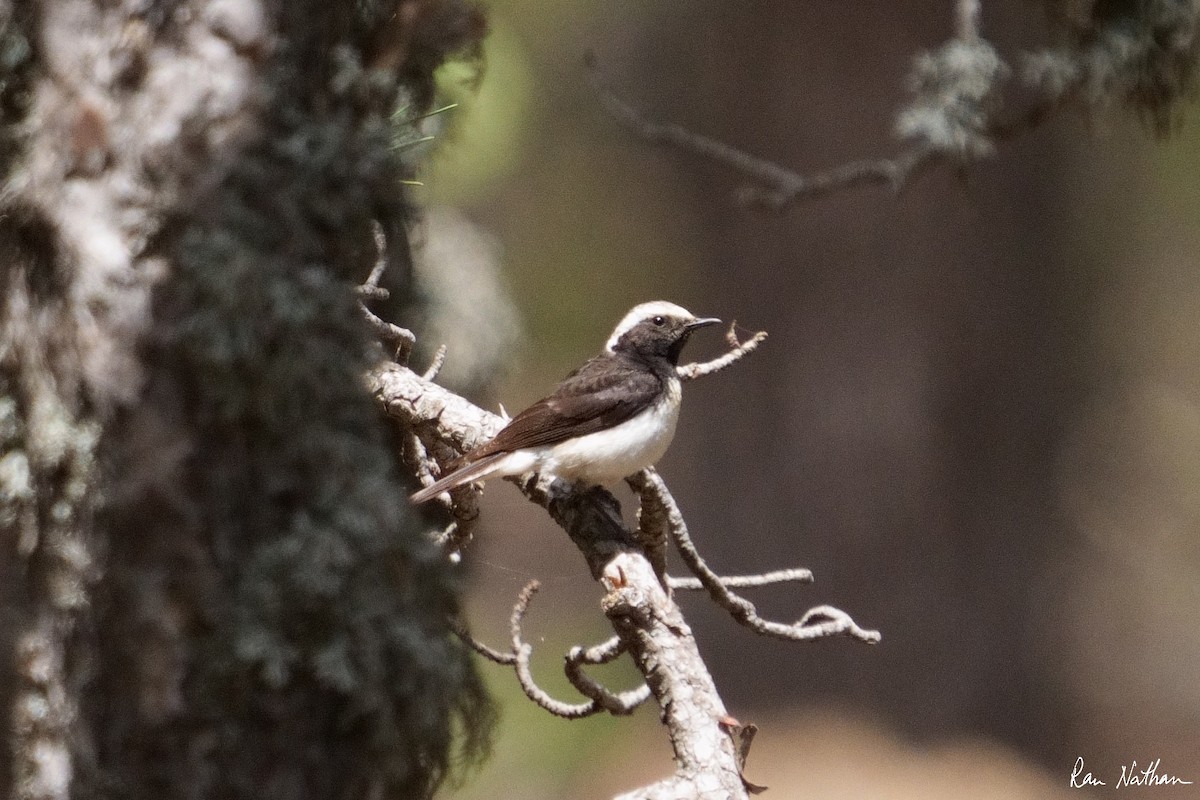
977,419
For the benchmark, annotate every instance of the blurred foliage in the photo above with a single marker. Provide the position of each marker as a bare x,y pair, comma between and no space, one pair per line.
486,134
579,251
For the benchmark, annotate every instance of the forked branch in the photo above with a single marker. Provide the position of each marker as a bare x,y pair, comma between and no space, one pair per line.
659,509
1142,55
520,655
649,626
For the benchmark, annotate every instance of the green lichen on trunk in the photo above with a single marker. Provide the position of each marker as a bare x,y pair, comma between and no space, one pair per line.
212,584
322,665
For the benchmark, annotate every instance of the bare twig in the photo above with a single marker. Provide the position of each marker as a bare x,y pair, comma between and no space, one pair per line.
599,698
523,652
834,621
464,507
464,500
435,366
967,18
491,654
603,653
368,292
466,516
772,185
417,459
651,535
616,704
380,265
797,574
960,118
401,338
738,351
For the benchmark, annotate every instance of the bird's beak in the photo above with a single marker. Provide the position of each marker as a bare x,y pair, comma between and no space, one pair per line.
702,323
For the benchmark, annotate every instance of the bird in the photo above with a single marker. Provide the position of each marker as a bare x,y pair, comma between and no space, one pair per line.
612,417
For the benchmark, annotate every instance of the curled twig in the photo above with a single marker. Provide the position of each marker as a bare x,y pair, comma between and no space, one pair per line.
401,338
617,704
435,366
738,350
523,652
834,621
519,657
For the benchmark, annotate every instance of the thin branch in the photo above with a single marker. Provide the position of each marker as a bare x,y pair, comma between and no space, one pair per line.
797,574
380,265
617,704
738,351
459,533
774,186
603,699
834,621
967,20
523,652
435,366
417,459
368,292
651,535
603,653
402,338
464,503
491,654
600,698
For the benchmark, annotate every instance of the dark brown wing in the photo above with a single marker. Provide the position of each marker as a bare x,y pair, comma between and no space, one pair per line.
602,393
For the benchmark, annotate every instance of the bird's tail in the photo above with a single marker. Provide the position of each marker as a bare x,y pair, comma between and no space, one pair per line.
476,470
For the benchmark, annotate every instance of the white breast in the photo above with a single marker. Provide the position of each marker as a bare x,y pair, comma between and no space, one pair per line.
608,456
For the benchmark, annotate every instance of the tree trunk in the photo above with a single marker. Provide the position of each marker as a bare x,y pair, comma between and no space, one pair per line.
212,583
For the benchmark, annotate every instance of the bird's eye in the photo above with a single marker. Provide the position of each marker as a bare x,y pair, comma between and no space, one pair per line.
659,320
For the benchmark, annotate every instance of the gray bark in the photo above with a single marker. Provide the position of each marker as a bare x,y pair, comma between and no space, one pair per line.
212,584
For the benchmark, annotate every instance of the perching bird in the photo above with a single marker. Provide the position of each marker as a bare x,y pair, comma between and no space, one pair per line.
610,418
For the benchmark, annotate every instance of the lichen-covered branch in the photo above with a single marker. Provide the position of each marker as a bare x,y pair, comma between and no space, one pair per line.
205,573
769,184
1140,54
